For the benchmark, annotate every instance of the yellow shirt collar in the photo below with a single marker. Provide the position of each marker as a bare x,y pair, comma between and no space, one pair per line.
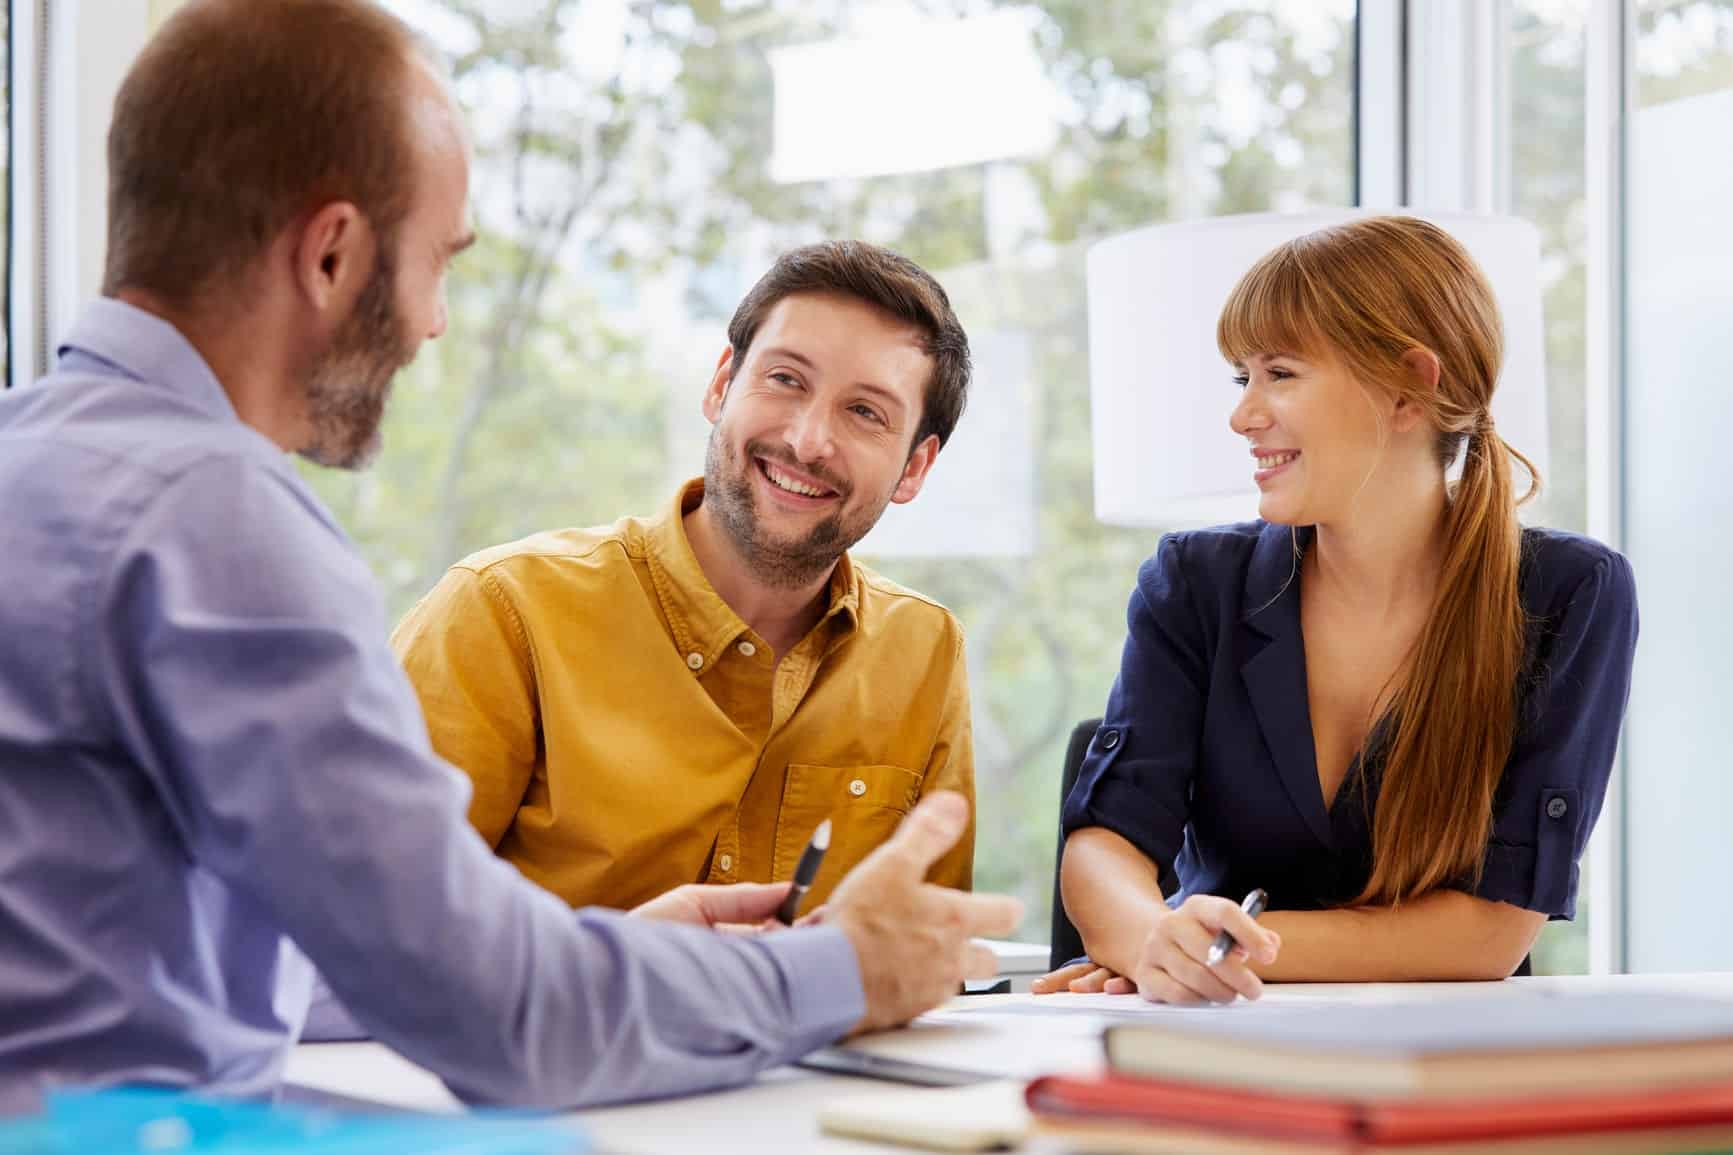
704,624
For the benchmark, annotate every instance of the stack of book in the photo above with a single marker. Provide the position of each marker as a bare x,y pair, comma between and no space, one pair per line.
1582,1074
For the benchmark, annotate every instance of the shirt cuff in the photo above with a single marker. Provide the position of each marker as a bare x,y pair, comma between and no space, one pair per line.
1519,876
822,977
1126,810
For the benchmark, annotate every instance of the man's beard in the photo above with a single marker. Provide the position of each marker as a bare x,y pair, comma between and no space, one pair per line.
348,385
782,564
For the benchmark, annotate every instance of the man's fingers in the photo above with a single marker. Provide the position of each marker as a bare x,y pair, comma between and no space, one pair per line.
1120,985
742,902
744,929
930,829
986,915
979,962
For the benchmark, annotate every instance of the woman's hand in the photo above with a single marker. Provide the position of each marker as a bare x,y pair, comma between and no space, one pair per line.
1172,966
1083,978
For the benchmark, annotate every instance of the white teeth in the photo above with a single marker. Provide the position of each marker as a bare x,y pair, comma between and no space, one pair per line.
1275,460
782,481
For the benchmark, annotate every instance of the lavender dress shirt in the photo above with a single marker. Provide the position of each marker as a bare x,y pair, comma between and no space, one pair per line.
214,777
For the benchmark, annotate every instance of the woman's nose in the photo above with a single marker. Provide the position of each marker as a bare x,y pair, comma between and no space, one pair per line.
1248,416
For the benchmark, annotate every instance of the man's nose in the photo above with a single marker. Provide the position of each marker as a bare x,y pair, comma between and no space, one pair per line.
809,433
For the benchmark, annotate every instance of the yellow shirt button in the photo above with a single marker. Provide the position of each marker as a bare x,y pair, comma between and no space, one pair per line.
695,660
857,787
726,862
747,649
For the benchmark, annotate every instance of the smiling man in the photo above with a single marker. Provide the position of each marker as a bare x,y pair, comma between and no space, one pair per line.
684,697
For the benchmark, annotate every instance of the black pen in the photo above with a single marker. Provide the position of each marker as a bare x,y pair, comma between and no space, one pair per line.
804,872
1254,906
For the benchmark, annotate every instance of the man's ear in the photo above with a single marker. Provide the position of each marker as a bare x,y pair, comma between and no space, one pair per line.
334,257
716,392
915,472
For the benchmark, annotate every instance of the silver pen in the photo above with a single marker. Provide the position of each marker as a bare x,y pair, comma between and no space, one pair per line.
1254,906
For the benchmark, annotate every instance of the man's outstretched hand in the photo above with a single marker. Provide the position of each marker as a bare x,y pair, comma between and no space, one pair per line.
913,938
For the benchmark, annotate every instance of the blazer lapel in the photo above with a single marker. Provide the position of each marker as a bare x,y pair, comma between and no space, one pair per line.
1274,671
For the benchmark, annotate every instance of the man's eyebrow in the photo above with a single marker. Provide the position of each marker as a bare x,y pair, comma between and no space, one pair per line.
885,395
790,354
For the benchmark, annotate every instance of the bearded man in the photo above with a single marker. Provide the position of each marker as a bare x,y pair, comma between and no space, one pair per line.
685,697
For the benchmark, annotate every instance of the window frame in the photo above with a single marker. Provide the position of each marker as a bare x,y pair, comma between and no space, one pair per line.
67,59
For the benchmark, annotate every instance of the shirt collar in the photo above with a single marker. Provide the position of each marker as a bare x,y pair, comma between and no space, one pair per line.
145,347
701,621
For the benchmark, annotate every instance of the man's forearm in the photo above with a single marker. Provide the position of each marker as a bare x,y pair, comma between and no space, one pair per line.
515,999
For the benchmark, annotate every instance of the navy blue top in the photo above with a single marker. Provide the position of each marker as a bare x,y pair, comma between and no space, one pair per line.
1204,760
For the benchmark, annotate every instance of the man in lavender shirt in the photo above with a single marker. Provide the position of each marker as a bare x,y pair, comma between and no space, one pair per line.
213,775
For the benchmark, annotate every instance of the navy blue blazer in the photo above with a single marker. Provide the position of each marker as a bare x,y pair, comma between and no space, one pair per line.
1204,759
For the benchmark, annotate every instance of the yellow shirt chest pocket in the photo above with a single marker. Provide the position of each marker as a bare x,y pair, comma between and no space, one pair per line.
864,804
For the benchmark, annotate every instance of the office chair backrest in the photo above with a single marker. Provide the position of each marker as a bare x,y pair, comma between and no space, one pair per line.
1067,944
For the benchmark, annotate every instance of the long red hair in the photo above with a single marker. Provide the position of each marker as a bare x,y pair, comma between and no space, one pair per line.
1367,293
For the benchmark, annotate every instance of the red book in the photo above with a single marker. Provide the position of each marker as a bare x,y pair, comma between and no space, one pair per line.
1115,1104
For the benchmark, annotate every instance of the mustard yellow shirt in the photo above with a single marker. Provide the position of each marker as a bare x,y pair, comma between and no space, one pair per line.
626,731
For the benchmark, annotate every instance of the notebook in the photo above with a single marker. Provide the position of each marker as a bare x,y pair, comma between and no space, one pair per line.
984,1117
1475,1045
1120,1114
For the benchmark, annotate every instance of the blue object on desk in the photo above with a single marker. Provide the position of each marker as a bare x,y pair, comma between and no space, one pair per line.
131,1121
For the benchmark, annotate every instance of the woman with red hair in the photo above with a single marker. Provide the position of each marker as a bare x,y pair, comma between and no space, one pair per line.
1386,702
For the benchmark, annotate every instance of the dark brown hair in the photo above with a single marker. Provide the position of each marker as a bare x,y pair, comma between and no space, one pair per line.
238,117
1367,293
889,281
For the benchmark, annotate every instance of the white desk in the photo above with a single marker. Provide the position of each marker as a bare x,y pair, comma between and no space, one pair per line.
982,1032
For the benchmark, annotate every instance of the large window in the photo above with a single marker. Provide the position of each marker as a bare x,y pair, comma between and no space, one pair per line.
640,164
1667,70
1678,408
1547,41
